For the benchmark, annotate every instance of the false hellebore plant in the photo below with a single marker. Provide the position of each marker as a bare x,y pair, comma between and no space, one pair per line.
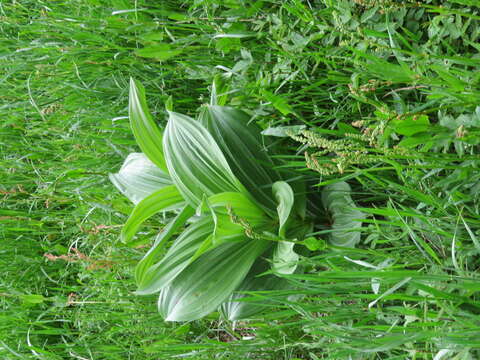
240,217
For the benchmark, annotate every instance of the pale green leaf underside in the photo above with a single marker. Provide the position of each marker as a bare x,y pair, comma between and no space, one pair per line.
139,177
346,220
283,193
284,258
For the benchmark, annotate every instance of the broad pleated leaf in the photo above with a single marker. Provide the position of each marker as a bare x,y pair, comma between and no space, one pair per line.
284,258
146,132
208,281
151,256
346,220
195,162
177,258
139,177
232,213
224,230
164,199
240,204
233,309
243,146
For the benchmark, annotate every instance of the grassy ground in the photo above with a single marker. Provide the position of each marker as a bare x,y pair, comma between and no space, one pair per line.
402,76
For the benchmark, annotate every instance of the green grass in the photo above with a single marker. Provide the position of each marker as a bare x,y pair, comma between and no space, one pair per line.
408,72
